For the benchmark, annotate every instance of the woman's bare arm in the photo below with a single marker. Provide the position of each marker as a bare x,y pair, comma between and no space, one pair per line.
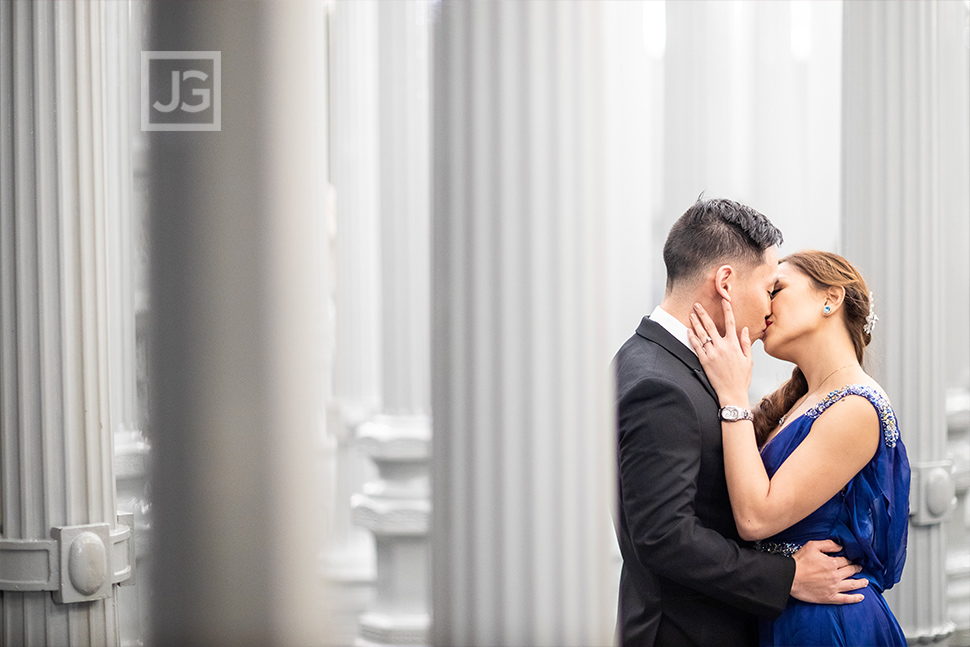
842,441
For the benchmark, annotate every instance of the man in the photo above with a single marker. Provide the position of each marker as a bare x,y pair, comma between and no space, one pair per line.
687,577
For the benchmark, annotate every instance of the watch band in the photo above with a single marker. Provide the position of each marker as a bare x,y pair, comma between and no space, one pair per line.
731,413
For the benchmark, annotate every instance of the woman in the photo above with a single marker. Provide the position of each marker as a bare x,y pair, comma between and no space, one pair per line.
822,457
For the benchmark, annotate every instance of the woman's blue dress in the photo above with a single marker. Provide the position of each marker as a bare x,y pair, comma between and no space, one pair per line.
869,519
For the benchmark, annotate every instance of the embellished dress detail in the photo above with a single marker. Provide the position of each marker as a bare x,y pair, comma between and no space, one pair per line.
869,518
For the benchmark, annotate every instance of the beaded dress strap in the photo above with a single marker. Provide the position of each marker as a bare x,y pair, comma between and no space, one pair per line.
887,418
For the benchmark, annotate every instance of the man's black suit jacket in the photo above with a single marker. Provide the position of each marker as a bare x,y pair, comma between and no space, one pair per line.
687,577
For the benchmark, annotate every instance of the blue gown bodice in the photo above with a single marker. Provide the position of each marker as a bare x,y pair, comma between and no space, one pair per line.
869,518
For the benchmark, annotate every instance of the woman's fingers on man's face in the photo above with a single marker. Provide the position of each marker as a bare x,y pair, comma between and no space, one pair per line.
703,323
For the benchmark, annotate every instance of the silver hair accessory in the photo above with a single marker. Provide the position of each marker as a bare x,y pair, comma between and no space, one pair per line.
871,318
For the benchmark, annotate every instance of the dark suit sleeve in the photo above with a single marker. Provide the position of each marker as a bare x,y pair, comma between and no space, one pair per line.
659,459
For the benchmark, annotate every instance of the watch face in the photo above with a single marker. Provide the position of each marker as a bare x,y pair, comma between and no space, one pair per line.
732,413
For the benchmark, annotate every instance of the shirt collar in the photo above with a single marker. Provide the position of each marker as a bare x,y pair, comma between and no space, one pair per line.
672,325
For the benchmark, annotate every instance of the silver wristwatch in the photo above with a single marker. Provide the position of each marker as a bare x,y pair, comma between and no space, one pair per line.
732,413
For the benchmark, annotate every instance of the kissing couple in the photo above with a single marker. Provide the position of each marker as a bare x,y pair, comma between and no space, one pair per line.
779,524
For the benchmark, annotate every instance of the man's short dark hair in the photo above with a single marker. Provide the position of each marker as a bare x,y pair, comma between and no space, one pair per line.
716,232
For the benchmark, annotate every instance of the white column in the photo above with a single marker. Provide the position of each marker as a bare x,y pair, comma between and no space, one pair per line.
405,205
896,83
236,313
954,62
350,562
122,43
634,148
958,530
712,49
634,104
396,507
356,178
60,531
523,466
121,54
347,556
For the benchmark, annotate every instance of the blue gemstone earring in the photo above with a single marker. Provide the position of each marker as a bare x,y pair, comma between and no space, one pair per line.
827,309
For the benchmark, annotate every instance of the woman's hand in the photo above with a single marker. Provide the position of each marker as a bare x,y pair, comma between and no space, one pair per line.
726,360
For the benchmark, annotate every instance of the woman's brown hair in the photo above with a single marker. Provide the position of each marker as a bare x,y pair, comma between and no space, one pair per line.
825,270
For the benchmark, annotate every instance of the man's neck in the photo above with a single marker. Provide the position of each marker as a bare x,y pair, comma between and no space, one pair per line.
681,306
680,309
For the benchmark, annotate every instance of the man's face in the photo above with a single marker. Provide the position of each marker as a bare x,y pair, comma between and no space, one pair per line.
752,300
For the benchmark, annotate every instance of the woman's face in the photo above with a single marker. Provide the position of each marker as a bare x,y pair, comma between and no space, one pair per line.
796,311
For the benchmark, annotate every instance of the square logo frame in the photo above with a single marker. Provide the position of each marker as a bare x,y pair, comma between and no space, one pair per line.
148,124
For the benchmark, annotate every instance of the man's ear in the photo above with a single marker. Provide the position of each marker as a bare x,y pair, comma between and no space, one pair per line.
724,278
834,297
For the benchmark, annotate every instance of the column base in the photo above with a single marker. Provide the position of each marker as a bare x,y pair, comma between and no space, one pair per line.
396,438
958,590
346,601
933,636
393,629
354,564
350,577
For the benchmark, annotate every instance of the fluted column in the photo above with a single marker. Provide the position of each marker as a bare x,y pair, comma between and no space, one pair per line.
396,507
356,178
896,81
958,531
522,470
405,205
955,202
236,348
350,562
122,43
634,146
57,220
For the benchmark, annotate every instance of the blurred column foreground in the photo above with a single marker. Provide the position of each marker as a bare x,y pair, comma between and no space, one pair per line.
523,477
236,289
900,192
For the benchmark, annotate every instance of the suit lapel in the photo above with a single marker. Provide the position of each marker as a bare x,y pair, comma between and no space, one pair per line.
654,332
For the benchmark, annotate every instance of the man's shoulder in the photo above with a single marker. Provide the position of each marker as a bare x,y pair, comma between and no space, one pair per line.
645,367
641,356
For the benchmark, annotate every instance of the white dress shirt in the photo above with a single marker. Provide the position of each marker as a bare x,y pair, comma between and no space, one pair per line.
671,324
